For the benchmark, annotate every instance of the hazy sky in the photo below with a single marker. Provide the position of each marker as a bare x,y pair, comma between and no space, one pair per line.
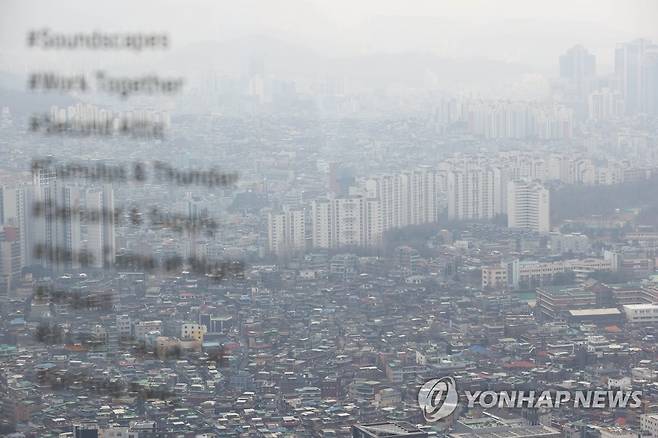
519,31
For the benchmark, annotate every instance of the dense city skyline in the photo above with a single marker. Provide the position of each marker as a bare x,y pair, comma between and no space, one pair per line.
328,219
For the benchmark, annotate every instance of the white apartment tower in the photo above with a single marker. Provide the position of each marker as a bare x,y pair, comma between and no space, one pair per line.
10,259
476,193
15,204
60,238
286,231
528,206
407,198
99,239
346,221
86,227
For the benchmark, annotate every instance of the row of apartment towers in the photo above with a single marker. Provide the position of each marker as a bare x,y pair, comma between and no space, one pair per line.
66,241
377,204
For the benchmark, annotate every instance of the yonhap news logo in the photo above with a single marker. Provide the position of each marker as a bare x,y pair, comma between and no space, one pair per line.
438,398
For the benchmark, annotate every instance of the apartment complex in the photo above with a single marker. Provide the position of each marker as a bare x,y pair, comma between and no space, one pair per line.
66,221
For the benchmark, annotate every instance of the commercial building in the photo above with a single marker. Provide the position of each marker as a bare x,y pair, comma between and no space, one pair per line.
556,301
387,430
192,330
511,432
495,277
529,273
604,316
641,313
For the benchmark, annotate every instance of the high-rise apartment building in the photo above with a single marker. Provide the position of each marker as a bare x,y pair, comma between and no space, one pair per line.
346,221
349,221
74,226
476,193
10,259
528,206
503,119
407,198
650,73
98,235
578,65
578,75
286,231
605,104
57,229
636,70
15,210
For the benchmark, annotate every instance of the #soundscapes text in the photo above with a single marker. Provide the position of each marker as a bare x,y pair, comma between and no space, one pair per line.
45,39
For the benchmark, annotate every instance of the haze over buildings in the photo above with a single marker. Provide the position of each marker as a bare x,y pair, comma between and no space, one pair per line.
284,219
